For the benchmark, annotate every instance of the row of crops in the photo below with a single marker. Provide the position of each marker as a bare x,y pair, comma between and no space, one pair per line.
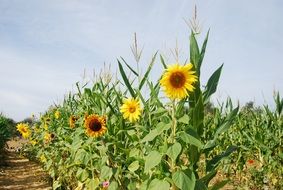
113,135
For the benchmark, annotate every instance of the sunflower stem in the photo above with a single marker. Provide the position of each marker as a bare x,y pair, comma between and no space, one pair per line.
174,121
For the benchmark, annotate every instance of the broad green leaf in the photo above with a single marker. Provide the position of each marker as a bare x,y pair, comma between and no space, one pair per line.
134,152
187,138
82,174
152,160
174,151
134,166
92,183
158,184
113,185
125,79
185,119
212,84
150,136
184,182
106,173
160,127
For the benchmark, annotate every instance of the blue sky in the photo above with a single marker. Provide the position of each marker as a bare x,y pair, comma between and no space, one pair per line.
45,46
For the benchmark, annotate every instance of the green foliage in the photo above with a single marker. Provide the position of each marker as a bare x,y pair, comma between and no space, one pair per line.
7,130
174,145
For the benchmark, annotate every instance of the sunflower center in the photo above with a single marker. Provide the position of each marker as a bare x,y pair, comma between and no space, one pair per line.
132,109
95,126
177,79
24,130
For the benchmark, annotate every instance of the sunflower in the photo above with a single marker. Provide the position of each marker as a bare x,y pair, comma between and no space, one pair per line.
72,121
178,80
131,109
57,114
95,125
23,128
48,137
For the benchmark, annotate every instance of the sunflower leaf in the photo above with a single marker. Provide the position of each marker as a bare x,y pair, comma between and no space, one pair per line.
152,160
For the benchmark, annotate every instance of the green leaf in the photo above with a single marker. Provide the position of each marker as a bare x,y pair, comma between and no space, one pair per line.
187,138
184,182
198,115
194,53
158,184
56,185
82,174
203,48
219,185
206,179
163,62
200,185
185,119
213,163
129,67
92,183
174,151
125,79
147,72
212,84
113,185
160,127
227,123
152,160
106,173
134,166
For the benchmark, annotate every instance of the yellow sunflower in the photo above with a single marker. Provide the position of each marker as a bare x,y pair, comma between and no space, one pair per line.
95,125
131,109
72,121
178,80
57,114
48,137
23,128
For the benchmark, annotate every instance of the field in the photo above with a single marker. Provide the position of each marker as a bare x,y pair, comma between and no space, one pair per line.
111,135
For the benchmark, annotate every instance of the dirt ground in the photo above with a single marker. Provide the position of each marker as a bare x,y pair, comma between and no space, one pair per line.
18,173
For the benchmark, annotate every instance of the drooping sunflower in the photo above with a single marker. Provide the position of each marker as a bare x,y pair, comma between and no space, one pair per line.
177,81
72,121
23,128
95,125
131,109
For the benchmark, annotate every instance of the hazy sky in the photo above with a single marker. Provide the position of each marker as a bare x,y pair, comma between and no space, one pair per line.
45,46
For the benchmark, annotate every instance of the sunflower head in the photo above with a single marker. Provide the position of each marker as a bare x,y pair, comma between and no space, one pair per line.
48,137
131,109
23,128
178,80
57,114
95,125
72,121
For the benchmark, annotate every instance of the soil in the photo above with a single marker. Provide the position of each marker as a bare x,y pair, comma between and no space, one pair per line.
19,173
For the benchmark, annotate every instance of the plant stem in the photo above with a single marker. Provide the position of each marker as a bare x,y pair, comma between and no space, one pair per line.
174,121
